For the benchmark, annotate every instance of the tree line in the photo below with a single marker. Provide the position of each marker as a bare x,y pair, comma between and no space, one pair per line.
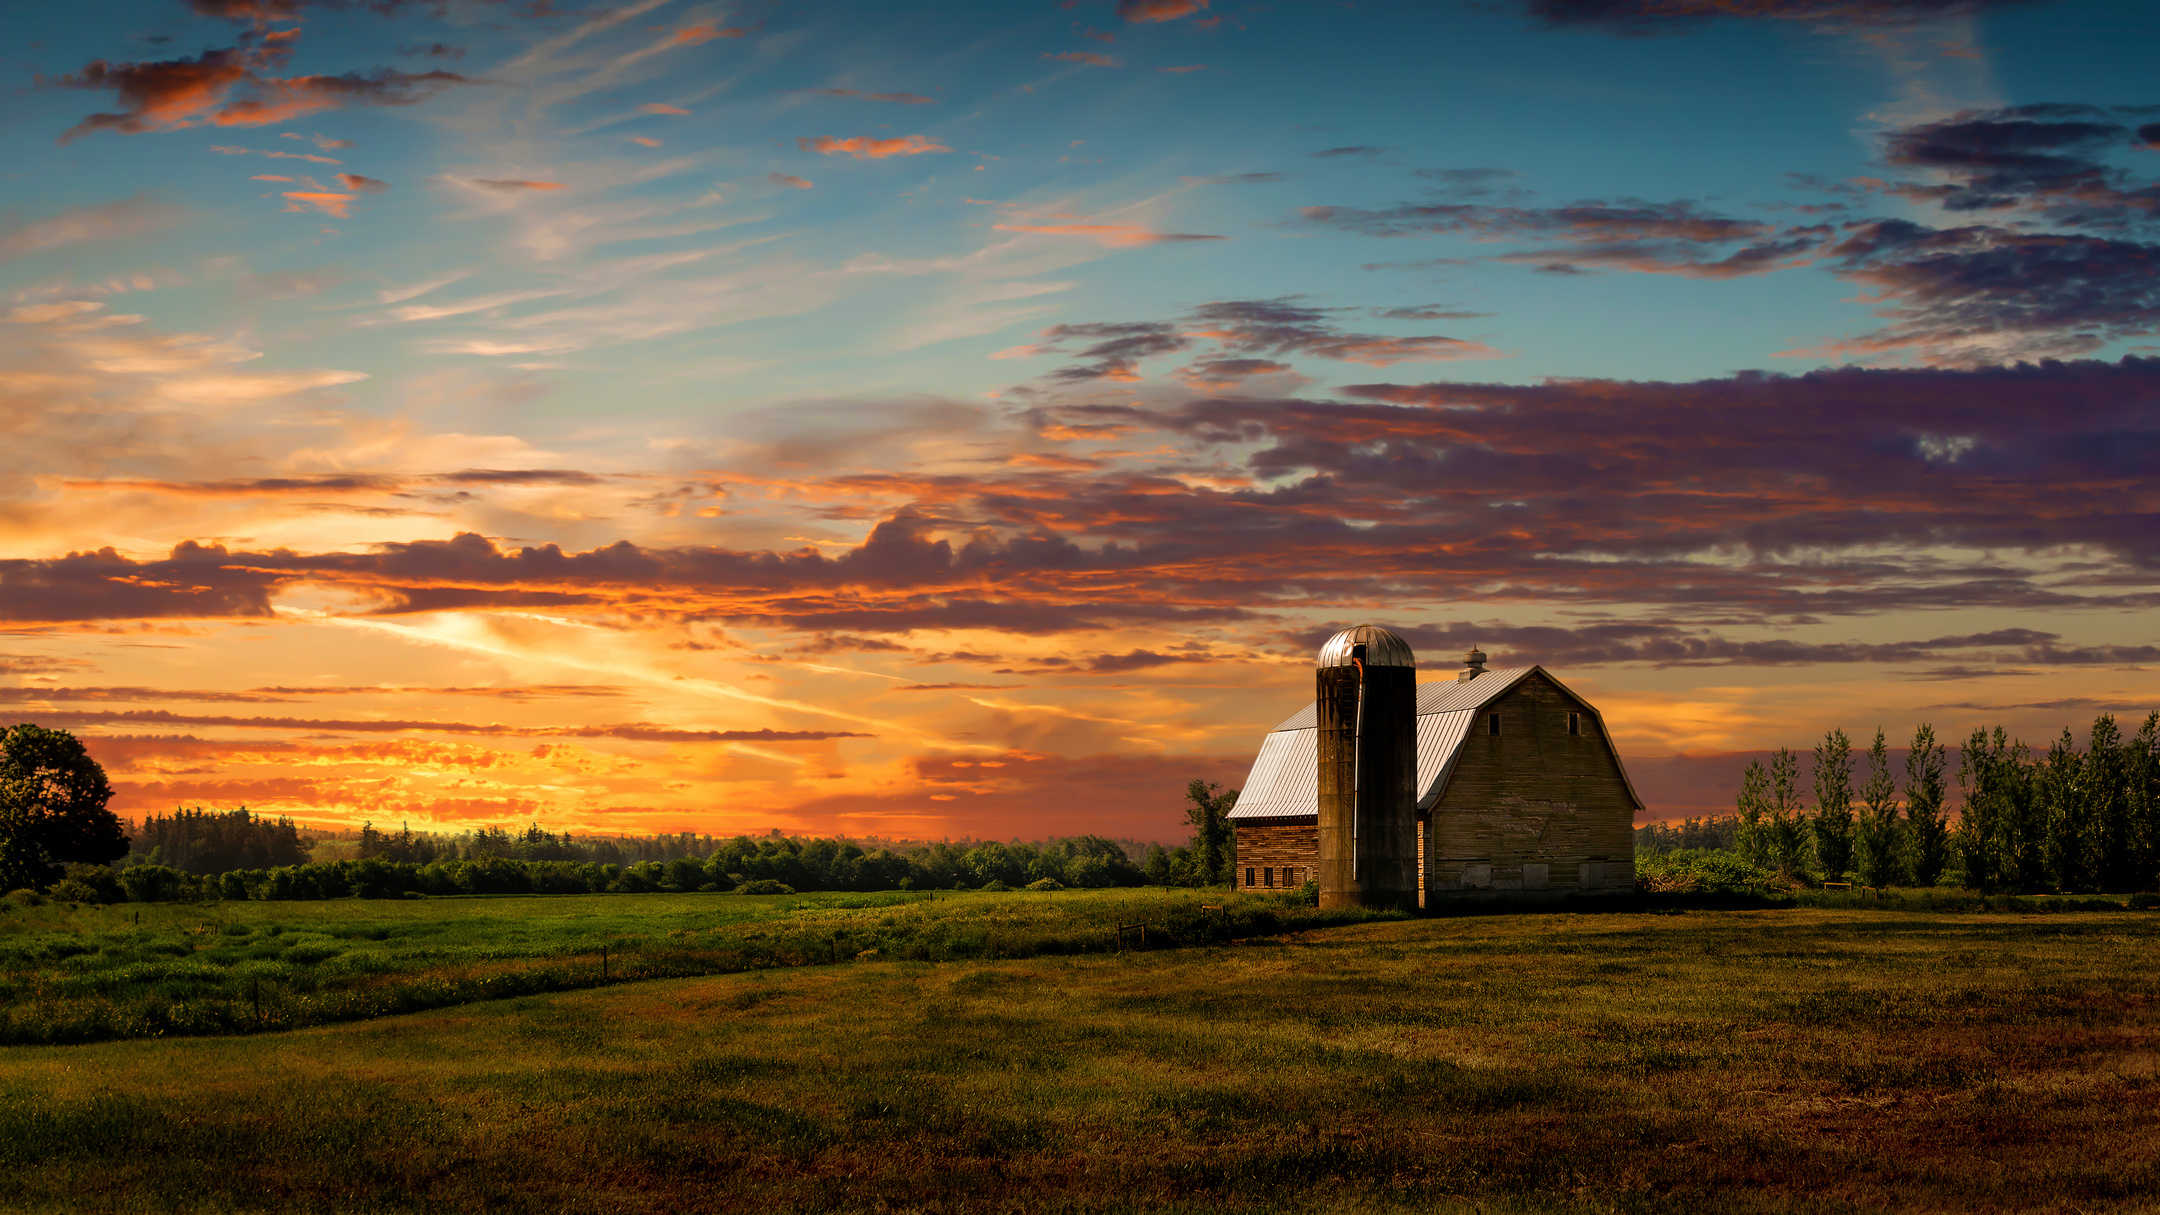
2069,820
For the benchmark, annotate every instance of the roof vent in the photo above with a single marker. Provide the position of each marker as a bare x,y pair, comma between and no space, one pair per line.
1473,665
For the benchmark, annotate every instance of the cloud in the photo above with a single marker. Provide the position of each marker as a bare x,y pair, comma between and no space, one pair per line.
866,147
1183,68
1153,11
327,203
2045,159
789,180
1642,17
433,50
363,185
895,98
508,184
1087,57
658,108
1356,151
100,223
1627,234
634,731
232,150
1237,179
696,34
1112,236
232,87
645,141
1247,328
1983,294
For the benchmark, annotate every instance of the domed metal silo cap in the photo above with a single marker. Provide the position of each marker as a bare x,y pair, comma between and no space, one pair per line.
1382,648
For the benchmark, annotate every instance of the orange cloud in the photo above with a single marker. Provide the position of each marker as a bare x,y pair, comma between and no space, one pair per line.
230,87
1114,236
1190,67
1088,57
657,108
864,147
364,185
696,34
644,141
230,150
500,183
1148,12
268,177
789,180
896,98
331,204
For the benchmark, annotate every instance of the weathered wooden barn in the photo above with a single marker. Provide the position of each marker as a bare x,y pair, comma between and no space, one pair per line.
1518,789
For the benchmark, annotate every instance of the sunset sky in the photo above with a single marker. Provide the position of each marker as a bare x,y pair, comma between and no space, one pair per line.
959,419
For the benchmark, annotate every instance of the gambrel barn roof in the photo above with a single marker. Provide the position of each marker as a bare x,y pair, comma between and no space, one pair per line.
1285,779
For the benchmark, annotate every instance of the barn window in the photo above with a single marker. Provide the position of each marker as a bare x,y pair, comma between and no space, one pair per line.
1492,723
1248,875
1267,877
1574,723
1289,876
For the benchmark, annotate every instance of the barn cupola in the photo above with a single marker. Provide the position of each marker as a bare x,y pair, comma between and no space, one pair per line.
1473,665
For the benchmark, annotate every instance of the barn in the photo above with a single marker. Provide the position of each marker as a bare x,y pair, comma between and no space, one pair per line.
1517,790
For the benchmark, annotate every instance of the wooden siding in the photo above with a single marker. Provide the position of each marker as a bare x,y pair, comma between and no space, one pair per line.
1277,844
1533,808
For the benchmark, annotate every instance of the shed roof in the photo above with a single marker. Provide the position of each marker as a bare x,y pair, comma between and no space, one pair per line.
1285,778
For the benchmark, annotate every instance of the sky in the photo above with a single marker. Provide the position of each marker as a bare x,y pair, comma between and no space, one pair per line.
966,420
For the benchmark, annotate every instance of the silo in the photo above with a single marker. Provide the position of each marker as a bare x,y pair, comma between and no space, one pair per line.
1366,703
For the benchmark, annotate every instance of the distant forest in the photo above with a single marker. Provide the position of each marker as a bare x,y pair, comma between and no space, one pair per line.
237,854
2068,820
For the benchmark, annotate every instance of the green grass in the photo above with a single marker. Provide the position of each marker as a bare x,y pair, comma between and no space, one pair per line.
88,973
1752,1061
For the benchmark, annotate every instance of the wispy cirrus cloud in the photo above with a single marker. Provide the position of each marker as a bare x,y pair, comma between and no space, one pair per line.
1642,17
869,147
1113,236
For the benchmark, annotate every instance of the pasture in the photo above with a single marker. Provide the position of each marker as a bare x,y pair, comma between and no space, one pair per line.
1787,1060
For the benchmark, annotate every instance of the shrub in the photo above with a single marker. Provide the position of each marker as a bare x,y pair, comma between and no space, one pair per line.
765,886
1045,884
995,885
1700,871
2145,902
1308,894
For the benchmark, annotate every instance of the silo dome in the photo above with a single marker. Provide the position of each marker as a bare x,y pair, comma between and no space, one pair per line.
1382,648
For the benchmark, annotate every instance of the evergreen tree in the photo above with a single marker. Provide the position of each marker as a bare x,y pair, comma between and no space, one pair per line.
1753,839
2060,789
1881,849
1788,821
1833,821
1926,841
2112,832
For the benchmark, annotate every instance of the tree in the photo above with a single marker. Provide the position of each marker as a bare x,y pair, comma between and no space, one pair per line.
1833,823
1881,852
1209,813
1926,841
2114,834
2060,789
1998,836
1788,822
2141,782
1754,835
52,808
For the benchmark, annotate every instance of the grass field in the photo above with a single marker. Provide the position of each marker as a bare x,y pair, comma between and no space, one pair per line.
1792,1060
88,973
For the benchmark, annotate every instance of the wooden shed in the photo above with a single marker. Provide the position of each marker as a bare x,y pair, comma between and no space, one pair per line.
1520,791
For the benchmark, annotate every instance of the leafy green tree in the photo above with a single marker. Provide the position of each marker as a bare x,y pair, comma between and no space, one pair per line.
1788,820
52,808
1833,821
2114,828
2060,788
1927,845
1999,835
2141,781
1881,851
1753,839
1213,847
